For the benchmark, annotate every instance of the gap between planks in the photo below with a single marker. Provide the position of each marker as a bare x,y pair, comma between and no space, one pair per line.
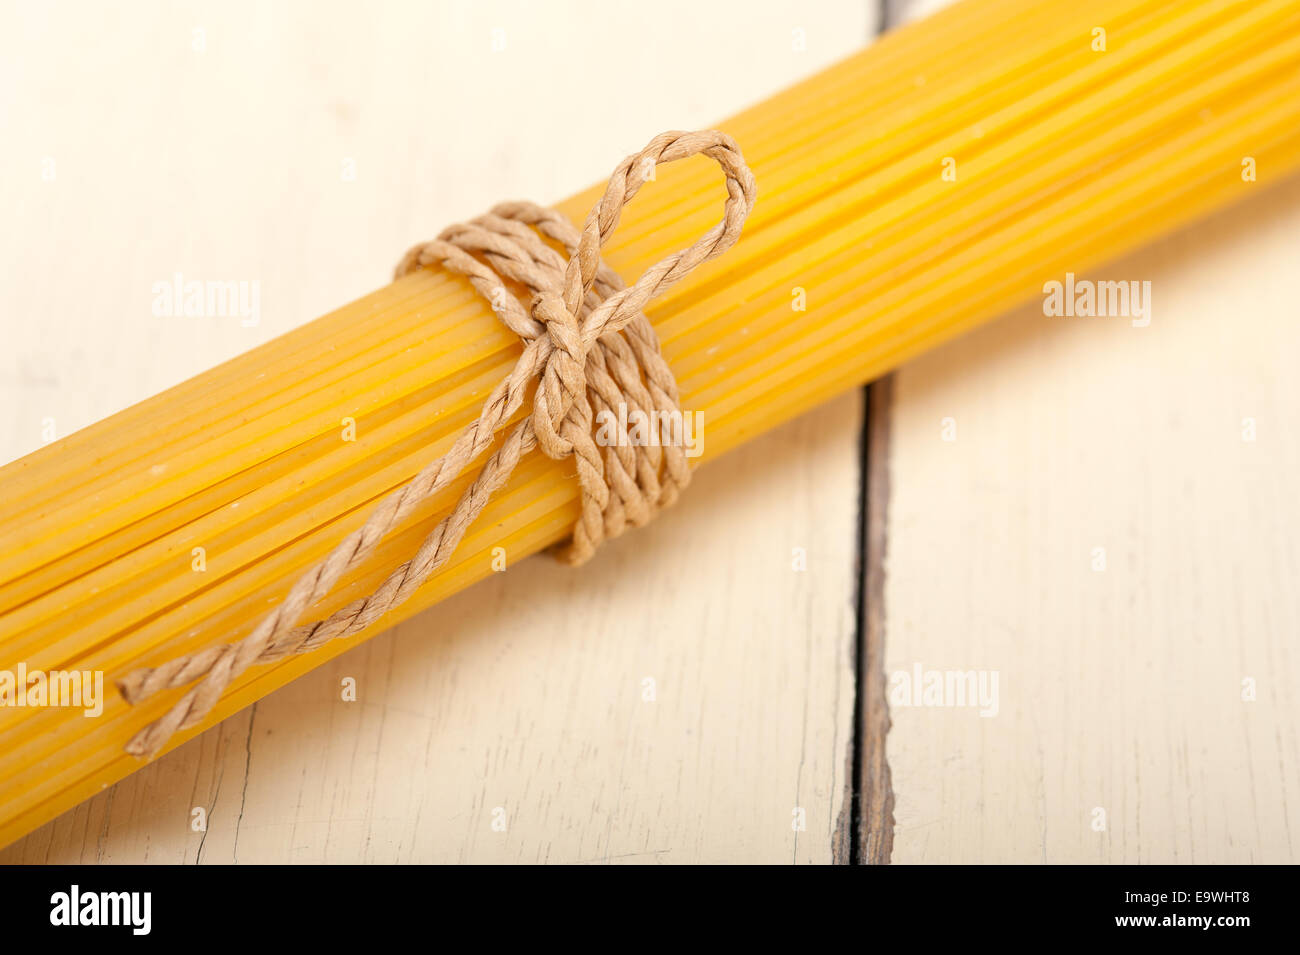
867,835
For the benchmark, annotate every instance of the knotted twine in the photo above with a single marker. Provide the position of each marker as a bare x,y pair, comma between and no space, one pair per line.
587,345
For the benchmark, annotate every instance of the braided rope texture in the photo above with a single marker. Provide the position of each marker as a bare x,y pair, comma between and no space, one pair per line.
588,347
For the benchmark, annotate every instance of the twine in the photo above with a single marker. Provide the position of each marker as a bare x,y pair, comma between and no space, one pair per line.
587,345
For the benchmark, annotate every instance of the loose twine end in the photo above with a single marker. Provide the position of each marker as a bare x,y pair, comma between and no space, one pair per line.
587,345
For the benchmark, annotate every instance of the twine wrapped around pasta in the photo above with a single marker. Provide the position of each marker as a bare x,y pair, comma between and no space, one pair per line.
587,346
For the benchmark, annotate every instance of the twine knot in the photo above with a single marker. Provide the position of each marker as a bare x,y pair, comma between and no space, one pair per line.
588,348
564,380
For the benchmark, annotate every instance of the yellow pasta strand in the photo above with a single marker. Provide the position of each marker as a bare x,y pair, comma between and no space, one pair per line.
1064,156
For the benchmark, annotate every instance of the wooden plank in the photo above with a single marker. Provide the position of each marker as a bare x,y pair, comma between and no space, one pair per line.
305,151
1104,516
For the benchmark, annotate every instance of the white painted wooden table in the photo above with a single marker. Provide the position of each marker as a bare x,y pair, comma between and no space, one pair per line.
690,697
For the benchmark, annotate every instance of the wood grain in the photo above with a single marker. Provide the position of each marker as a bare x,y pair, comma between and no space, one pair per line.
305,146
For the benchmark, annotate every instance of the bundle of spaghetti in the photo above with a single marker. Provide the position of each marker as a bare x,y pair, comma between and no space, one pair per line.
917,189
